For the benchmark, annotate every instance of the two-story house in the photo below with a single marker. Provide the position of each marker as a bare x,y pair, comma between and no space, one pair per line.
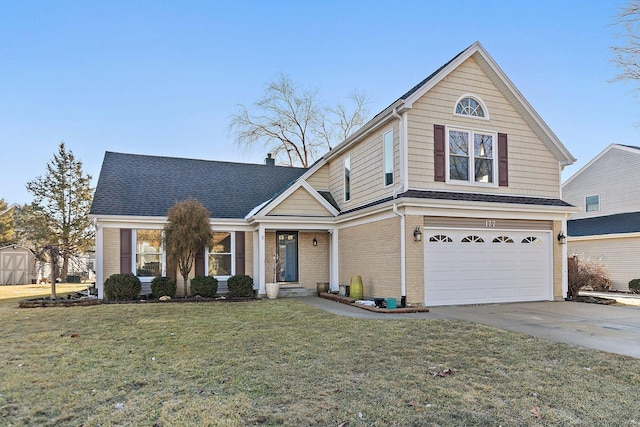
606,227
450,195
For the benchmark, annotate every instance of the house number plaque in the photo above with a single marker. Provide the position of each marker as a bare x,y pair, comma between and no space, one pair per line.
490,223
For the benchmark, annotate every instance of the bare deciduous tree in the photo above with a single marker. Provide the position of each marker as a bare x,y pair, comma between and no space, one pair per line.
627,55
290,122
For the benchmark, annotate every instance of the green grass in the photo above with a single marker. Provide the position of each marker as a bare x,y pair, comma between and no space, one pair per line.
284,363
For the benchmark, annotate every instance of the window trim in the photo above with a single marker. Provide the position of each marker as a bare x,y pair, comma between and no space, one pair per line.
233,256
478,100
346,179
387,161
586,205
472,132
134,255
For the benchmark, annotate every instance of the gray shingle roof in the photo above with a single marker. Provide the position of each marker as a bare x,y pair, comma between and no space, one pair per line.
479,197
608,224
140,185
468,197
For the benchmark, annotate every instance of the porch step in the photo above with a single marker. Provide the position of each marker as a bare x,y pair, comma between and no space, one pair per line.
296,292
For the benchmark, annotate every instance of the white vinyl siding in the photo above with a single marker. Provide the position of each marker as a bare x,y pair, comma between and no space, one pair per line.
619,256
614,177
533,168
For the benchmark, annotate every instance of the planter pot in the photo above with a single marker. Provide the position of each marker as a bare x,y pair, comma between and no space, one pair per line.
272,290
356,288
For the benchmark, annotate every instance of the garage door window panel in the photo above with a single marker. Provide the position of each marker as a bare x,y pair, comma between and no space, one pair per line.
503,239
531,239
472,239
440,238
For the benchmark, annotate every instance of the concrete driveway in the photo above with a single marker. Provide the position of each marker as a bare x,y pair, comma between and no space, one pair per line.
615,329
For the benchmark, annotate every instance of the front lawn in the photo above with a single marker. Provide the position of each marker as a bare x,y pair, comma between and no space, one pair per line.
284,363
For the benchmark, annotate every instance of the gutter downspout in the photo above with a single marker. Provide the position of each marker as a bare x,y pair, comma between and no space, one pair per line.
402,187
403,257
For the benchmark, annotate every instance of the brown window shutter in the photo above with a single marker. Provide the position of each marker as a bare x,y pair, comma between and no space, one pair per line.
439,153
125,250
503,160
199,263
240,252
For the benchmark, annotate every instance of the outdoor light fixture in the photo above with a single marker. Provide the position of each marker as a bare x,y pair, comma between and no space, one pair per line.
417,234
315,242
561,237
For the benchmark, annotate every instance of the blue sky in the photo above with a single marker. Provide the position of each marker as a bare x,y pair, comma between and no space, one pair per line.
163,78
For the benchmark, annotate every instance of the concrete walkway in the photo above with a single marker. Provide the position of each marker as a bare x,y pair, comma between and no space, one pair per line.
614,329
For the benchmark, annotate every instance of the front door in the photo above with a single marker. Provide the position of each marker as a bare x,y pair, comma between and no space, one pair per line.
287,250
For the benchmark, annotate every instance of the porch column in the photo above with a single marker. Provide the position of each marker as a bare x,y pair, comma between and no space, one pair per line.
99,265
334,276
261,260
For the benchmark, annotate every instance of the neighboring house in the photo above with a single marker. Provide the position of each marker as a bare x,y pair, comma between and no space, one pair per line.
451,195
607,225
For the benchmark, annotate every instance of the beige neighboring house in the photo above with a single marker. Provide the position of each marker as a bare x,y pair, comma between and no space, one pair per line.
607,225
17,265
451,195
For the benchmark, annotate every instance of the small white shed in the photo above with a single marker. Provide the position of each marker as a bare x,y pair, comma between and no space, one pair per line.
17,265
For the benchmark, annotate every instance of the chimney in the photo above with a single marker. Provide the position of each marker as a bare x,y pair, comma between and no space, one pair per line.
269,161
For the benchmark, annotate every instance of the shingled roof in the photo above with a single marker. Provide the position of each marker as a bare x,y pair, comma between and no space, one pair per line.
608,224
140,185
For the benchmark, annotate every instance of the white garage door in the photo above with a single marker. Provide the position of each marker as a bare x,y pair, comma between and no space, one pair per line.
475,267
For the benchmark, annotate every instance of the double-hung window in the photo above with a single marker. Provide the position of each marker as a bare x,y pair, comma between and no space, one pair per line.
148,253
592,203
220,255
472,156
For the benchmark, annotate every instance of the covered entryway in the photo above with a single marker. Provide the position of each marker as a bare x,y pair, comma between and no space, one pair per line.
470,266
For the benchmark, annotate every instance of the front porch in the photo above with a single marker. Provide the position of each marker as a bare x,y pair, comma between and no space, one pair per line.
295,259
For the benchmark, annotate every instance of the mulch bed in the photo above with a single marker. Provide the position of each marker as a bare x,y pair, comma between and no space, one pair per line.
182,300
82,302
59,302
352,302
592,300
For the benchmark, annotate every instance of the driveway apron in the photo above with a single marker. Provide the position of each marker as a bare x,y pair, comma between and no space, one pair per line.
614,329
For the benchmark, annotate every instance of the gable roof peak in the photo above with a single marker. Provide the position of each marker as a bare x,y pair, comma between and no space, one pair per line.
628,148
495,73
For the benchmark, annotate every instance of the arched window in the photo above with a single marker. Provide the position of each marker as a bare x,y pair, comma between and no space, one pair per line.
472,239
503,239
471,106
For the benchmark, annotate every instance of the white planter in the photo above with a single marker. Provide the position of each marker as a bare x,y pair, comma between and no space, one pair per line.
272,290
